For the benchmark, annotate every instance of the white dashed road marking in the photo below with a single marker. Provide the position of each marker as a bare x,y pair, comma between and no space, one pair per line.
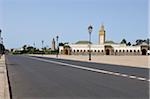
132,77
140,78
124,75
117,74
109,72
94,70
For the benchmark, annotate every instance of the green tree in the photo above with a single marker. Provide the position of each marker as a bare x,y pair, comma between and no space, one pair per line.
110,42
139,41
61,44
123,41
30,49
129,44
24,47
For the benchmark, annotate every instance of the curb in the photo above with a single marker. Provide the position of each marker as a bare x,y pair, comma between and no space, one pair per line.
5,93
122,62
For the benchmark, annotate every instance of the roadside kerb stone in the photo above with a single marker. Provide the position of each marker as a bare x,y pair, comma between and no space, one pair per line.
132,61
4,87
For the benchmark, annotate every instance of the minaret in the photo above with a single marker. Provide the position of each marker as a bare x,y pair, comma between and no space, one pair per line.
53,45
102,35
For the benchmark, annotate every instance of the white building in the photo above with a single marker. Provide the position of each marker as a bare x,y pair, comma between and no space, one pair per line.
103,48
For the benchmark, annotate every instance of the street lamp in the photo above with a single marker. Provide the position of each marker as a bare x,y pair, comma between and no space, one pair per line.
34,47
42,46
0,36
1,40
0,32
90,28
57,46
34,44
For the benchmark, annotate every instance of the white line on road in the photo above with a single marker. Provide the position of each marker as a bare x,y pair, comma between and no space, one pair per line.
117,74
132,77
93,70
124,75
140,78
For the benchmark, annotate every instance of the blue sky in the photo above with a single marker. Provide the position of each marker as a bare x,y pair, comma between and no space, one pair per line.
30,21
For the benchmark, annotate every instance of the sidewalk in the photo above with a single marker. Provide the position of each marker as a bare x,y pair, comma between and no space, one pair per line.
132,61
4,88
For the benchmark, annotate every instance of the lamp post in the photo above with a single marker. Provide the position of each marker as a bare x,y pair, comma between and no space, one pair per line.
0,32
0,36
57,46
42,46
34,44
1,40
34,49
90,28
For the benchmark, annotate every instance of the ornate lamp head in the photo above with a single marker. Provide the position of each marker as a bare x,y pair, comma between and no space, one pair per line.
90,28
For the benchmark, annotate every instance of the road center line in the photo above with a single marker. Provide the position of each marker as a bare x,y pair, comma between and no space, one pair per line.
93,70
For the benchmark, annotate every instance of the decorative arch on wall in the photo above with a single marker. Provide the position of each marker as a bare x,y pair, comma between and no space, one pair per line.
107,52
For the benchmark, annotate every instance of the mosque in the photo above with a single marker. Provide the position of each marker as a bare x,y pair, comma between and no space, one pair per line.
103,47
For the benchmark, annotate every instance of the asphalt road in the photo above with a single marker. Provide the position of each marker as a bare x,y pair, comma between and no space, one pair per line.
141,72
32,78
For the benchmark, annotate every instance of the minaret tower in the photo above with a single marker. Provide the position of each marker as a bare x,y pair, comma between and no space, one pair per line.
53,45
102,35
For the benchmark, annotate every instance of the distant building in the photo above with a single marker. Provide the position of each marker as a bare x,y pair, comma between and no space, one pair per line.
16,49
53,47
103,47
